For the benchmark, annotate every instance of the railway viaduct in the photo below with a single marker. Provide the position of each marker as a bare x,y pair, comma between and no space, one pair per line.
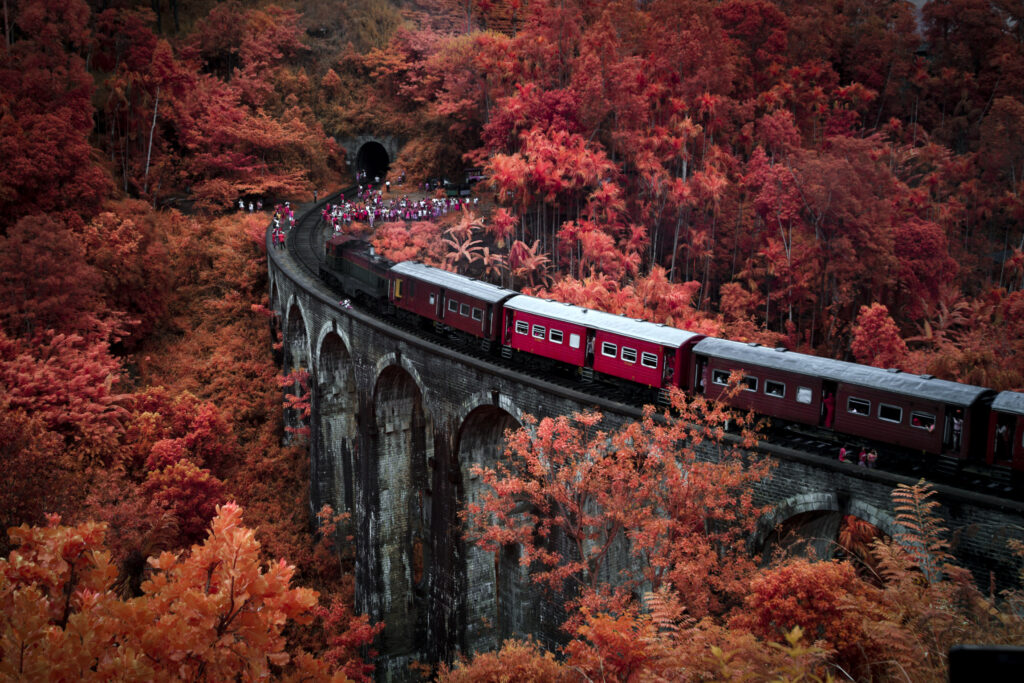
396,423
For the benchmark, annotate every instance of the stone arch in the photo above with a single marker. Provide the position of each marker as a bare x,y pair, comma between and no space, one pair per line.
275,296
397,359
274,323
816,518
295,359
333,427
296,337
489,398
811,518
497,605
879,518
401,516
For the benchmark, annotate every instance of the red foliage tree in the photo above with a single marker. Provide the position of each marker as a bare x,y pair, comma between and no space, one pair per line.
876,339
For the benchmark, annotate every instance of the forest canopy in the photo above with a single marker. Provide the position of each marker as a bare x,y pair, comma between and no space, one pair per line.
841,177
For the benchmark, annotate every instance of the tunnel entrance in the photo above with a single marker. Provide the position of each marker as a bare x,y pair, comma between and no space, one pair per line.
373,158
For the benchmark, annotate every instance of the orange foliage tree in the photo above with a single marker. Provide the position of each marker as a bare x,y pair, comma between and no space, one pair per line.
213,611
642,488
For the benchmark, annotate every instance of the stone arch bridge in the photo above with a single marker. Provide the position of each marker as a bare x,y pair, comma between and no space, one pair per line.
396,423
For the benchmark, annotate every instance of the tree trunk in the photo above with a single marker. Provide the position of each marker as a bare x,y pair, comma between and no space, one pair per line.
149,151
675,248
7,27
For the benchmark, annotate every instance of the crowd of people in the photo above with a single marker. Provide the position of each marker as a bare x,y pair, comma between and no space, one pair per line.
284,220
374,205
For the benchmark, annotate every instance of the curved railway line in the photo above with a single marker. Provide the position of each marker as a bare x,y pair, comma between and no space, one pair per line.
305,245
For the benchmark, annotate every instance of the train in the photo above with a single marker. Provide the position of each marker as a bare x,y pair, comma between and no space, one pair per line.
914,414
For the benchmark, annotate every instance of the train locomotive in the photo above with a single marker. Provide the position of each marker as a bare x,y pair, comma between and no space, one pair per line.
915,414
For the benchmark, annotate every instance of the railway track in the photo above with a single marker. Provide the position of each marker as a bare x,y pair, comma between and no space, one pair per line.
305,243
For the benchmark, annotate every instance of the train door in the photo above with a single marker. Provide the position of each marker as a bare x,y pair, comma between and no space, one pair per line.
1005,436
442,295
827,413
700,376
952,429
507,333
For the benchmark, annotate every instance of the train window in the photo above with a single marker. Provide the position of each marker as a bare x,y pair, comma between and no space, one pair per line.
574,341
609,349
555,336
922,420
522,327
773,388
398,289
749,383
538,331
649,360
478,314
858,406
433,299
890,413
628,354
453,306
720,377
804,395
464,310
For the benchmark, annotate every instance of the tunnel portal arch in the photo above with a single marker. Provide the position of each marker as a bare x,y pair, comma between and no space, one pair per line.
373,159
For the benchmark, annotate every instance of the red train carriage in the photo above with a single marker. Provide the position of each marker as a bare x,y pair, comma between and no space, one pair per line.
654,355
457,301
1006,431
916,412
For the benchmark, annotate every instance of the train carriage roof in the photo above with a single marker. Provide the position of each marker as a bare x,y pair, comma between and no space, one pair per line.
919,386
453,282
1009,402
599,320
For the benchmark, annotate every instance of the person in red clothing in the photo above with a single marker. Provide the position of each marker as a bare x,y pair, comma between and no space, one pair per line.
829,402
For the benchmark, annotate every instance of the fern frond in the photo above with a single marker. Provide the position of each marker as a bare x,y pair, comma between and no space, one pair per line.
665,608
921,531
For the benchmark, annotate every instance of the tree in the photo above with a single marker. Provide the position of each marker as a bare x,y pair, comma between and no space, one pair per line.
515,661
569,493
876,340
212,613
70,386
